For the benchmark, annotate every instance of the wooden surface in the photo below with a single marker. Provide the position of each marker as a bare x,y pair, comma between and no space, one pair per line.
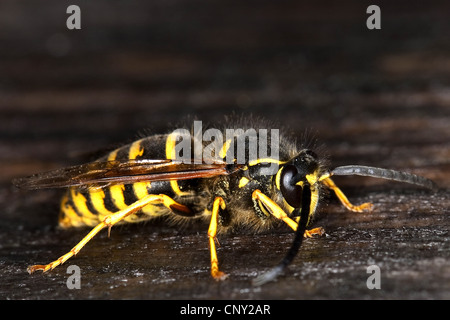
378,98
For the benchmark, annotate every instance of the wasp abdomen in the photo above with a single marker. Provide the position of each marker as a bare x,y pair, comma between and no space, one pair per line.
88,206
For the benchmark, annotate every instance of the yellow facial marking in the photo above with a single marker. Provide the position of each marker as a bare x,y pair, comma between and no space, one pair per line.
312,178
314,202
277,179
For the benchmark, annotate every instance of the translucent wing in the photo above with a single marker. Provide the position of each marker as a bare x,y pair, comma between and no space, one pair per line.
101,173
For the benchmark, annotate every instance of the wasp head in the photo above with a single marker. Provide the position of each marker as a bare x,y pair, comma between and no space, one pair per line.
296,174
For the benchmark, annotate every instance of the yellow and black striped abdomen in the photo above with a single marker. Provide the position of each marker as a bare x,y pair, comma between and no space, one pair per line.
88,206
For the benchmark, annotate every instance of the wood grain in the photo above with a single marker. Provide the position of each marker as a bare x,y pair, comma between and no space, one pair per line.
378,98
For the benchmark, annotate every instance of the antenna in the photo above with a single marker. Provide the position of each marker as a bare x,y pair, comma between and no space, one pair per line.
381,173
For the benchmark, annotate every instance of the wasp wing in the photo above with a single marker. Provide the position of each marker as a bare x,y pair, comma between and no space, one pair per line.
104,173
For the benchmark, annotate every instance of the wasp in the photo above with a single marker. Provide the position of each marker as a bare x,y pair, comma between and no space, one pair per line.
145,180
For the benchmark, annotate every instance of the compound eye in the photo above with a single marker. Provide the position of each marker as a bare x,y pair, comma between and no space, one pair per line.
291,192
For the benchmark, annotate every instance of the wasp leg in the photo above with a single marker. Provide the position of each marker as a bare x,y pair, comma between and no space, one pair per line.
218,204
312,232
341,196
109,221
279,213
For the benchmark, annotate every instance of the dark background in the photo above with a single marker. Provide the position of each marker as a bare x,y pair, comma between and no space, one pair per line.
371,97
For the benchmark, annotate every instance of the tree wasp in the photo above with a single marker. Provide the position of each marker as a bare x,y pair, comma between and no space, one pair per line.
162,175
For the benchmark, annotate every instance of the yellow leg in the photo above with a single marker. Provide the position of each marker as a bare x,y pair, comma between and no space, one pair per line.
212,232
341,196
109,221
279,213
